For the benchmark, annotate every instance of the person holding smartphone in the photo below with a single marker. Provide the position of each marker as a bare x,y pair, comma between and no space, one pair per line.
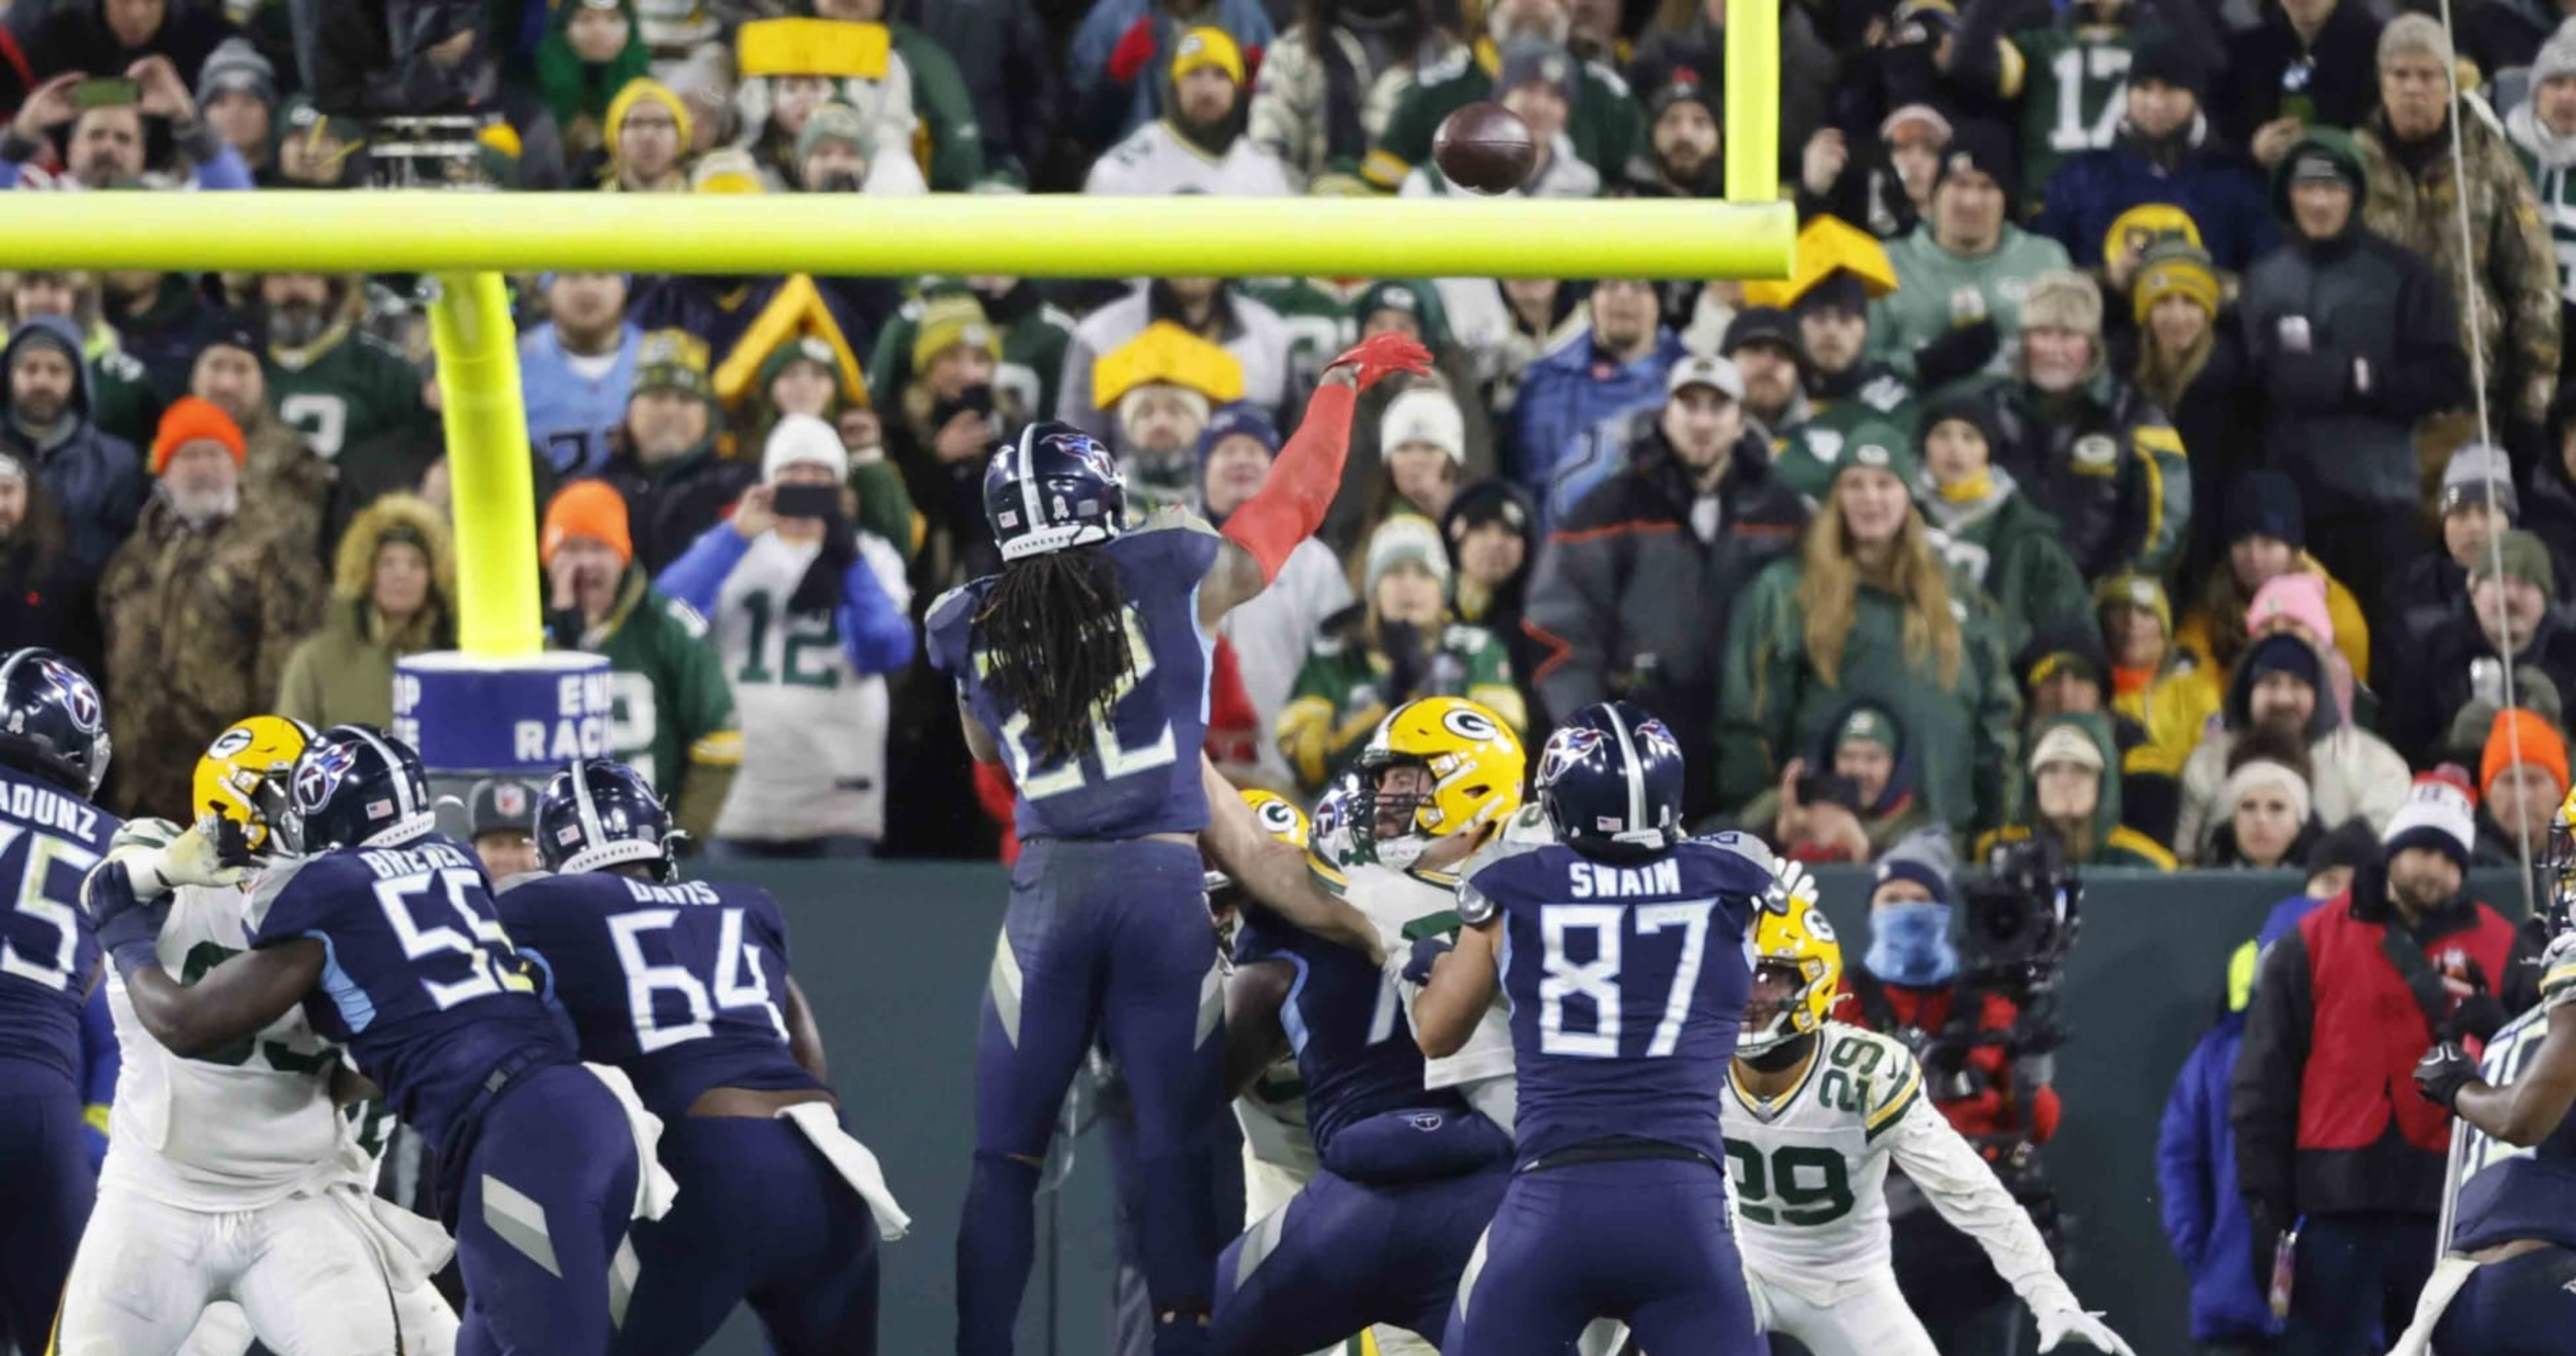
809,613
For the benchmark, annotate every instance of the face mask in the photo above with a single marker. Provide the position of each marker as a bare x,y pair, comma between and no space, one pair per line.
1910,944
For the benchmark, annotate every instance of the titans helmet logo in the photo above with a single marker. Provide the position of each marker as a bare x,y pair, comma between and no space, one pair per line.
320,773
80,699
1566,748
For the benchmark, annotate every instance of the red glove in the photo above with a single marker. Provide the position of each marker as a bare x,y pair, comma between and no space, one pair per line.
1135,48
1381,356
1251,65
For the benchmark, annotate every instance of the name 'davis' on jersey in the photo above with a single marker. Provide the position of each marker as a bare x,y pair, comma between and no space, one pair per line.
577,728
1598,880
682,892
36,806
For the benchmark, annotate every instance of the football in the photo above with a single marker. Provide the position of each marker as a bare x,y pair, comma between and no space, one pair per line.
1484,148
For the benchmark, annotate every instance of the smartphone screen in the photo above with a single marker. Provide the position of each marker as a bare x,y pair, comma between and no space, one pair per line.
114,93
807,501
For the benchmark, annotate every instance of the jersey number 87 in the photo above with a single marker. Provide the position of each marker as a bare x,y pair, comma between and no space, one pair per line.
1597,980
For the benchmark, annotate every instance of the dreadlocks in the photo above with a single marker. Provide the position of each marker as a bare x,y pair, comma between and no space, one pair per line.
1054,633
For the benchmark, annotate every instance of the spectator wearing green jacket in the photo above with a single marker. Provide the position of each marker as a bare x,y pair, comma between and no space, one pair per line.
1604,121
2075,799
1866,609
671,715
1961,275
1990,532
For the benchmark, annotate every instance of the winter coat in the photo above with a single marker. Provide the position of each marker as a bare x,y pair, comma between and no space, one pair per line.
2350,771
2015,552
95,481
2550,160
2361,299
2199,629
1318,105
285,484
1932,282
2175,709
1565,395
1606,123
346,388
1628,601
2222,192
2216,418
670,504
2105,463
1773,701
1341,694
1270,632
2343,83
1898,812
2113,843
2432,683
1112,109
1034,334
672,715
1873,392
2511,255
345,672
45,597
1003,58
374,59
73,35
2204,1215
224,606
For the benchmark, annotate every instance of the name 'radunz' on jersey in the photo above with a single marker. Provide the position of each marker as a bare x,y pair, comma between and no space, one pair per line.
1627,984
48,842
419,981
684,985
1138,773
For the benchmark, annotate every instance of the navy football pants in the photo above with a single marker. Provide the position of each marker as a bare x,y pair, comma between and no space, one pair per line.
2524,1306
545,1199
1644,1241
1340,1257
762,1218
1113,940
45,1198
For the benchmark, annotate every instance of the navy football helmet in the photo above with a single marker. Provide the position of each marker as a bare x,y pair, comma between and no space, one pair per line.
1056,486
356,786
1610,781
597,814
52,723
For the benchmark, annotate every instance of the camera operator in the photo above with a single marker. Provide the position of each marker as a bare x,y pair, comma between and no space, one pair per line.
2340,1159
1983,1039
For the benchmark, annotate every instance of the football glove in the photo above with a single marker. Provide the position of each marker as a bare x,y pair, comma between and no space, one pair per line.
1793,887
1426,953
1381,356
213,852
2442,1072
2061,1319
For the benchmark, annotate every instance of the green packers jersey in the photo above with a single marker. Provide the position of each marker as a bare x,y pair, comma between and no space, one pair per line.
1320,324
2073,84
346,393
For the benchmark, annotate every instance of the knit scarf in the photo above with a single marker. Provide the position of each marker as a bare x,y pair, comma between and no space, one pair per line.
2553,150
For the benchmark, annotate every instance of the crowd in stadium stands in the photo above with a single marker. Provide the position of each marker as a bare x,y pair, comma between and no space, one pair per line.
2151,453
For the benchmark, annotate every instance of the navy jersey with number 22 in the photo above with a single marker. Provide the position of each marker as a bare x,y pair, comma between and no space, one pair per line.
418,979
684,986
1627,983
48,841
1139,773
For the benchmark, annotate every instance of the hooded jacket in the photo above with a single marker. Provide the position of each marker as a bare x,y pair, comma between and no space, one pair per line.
1628,601
1565,395
1773,701
1502,610
2433,683
2222,192
670,504
2363,303
673,709
2102,460
345,671
2415,202
2112,843
1999,541
2204,1217
1932,283
1606,123
1898,812
2350,771
96,480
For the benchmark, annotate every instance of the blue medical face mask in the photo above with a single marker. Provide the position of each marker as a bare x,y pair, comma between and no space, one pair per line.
1910,944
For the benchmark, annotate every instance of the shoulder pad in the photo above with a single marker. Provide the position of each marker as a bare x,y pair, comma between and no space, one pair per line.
1173,517
142,834
1744,844
265,890
2558,972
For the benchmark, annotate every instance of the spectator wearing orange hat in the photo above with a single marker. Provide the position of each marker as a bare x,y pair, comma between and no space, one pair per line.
2523,776
673,717
202,590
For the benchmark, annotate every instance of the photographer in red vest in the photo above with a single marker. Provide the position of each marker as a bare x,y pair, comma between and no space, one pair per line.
2332,1139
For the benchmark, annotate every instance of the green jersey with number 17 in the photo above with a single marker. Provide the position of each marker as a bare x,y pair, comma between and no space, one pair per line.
1810,1172
2073,88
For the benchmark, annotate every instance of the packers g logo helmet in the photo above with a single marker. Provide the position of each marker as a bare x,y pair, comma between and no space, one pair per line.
244,775
2558,867
1477,770
1797,946
1279,817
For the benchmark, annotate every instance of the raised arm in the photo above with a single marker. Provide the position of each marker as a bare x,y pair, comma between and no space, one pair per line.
1274,873
1292,503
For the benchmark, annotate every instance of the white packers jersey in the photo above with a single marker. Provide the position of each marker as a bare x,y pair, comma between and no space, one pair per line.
246,1126
813,727
1392,899
1810,1173
1154,161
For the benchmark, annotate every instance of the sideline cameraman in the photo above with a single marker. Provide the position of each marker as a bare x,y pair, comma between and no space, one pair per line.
1981,1072
2332,1139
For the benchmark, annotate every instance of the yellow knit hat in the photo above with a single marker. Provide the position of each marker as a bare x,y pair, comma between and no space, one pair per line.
2173,269
637,90
1207,47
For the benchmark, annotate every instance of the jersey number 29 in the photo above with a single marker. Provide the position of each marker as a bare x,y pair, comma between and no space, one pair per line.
1597,980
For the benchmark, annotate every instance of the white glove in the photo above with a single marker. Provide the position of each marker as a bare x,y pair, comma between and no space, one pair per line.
211,852
1794,889
2061,1319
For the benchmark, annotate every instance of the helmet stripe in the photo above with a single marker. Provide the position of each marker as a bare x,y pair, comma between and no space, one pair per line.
393,763
1029,479
1634,769
592,834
